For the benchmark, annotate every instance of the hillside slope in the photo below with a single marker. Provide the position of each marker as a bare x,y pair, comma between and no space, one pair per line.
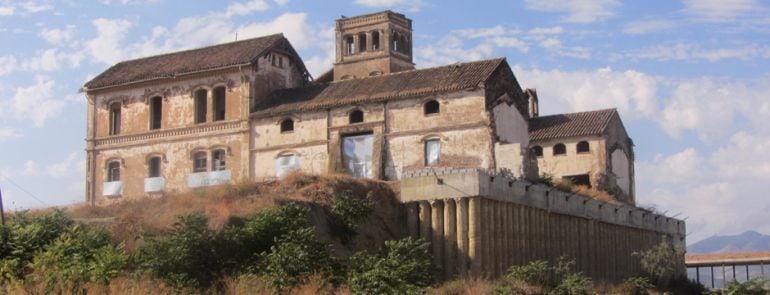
748,241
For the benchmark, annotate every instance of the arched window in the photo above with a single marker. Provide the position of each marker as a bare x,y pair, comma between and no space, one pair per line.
113,171
583,147
356,116
156,112
432,107
201,97
115,118
559,149
361,42
153,167
538,151
218,162
200,161
219,103
375,40
287,125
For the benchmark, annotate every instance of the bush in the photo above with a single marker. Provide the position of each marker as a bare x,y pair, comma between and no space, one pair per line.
23,236
660,261
638,285
574,284
240,246
347,212
76,258
185,258
295,257
754,286
545,178
403,267
535,272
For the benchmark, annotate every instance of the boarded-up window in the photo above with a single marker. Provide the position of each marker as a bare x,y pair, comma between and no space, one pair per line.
115,118
559,149
113,171
199,162
156,112
153,166
219,104
357,155
218,160
432,152
285,164
200,105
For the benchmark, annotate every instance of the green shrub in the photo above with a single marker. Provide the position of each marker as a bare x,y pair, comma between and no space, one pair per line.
536,272
185,258
660,261
295,257
638,285
545,178
574,284
403,267
240,246
347,212
755,286
23,236
83,255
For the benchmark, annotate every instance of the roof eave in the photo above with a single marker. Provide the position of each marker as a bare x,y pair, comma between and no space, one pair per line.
85,88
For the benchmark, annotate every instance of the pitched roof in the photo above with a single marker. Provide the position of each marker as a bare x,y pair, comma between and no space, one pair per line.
185,62
404,84
570,125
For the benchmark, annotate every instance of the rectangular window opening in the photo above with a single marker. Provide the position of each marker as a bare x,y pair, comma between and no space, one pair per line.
432,152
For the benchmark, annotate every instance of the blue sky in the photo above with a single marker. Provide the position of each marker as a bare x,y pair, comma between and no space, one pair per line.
690,79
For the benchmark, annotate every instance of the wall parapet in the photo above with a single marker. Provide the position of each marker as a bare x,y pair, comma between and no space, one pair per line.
435,183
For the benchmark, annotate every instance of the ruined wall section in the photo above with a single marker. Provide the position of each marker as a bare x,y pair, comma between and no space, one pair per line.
617,139
593,163
480,223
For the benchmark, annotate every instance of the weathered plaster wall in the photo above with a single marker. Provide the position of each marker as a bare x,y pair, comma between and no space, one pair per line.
512,135
620,168
592,163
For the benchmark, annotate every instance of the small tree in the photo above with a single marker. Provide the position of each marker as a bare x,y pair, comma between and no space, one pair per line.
295,257
660,261
402,267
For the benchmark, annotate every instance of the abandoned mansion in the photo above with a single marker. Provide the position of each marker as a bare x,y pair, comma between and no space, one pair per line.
464,141
249,110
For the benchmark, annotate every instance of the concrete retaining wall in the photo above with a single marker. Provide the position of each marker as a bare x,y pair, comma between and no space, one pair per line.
480,223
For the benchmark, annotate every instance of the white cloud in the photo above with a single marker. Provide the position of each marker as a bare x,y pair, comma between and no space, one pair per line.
647,26
546,31
323,61
35,103
684,51
720,10
578,11
633,93
70,166
410,5
30,168
7,133
7,10
106,47
293,25
8,64
246,8
35,7
483,32
57,36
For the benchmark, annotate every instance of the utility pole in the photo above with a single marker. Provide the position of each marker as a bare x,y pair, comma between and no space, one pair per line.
2,212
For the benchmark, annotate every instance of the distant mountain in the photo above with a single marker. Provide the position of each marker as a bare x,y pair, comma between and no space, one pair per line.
745,242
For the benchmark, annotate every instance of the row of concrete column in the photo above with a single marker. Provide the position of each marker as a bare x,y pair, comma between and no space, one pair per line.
479,236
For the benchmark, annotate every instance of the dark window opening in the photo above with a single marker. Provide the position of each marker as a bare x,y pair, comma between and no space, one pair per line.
287,125
350,45
218,160
153,167
395,46
219,104
362,42
432,107
156,112
199,162
115,118
375,40
356,116
583,147
538,151
559,149
200,105
113,171
280,61
581,179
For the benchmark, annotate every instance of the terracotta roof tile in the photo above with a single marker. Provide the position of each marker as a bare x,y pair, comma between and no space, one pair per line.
569,125
396,85
182,62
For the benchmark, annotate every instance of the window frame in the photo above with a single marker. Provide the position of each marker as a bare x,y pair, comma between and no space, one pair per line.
426,151
432,112
218,160
198,158
156,113
113,171
219,102
115,118
583,151
537,151
156,169
285,128
201,106
355,113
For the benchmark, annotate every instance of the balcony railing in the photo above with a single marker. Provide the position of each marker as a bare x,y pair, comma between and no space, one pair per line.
165,133
154,184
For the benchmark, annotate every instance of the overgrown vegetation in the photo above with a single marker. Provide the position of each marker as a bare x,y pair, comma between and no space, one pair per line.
558,279
402,267
755,286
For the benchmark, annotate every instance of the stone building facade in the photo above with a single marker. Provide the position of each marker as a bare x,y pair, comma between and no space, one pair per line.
249,111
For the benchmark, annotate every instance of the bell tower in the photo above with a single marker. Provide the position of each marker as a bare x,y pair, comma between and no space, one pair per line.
372,44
